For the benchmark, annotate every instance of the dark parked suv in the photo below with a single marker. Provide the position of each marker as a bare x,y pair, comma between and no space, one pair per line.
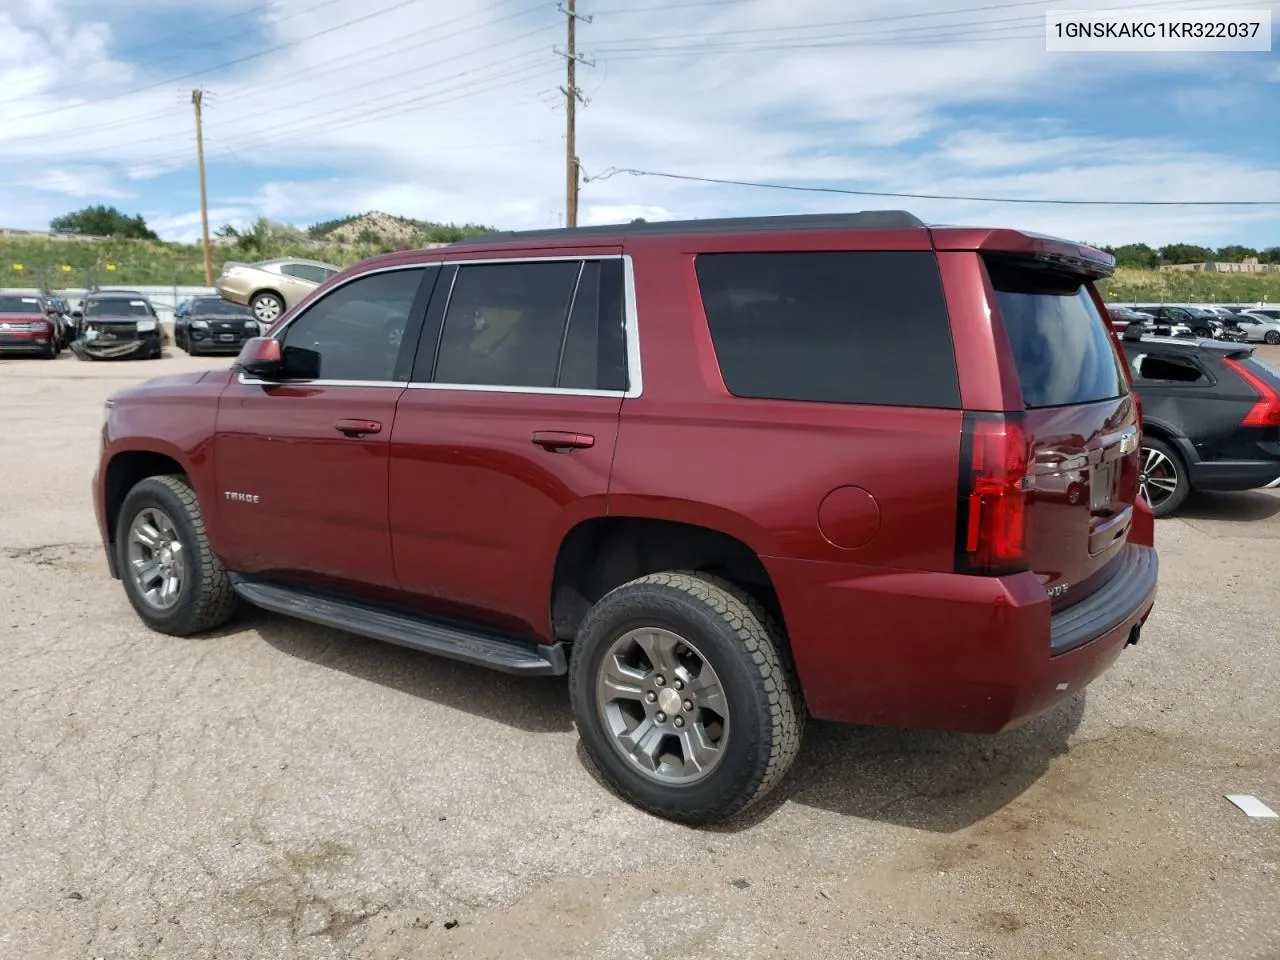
724,474
1211,418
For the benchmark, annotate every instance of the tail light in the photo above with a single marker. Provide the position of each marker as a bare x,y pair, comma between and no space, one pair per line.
994,482
1266,412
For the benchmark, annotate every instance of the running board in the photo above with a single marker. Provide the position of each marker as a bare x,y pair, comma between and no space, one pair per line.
491,650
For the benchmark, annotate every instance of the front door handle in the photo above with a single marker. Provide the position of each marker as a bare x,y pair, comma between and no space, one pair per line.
557,440
357,428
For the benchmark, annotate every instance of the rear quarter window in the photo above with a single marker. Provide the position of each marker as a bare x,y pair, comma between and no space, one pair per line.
1061,345
834,327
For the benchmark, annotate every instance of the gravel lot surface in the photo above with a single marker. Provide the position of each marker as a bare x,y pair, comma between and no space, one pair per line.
282,790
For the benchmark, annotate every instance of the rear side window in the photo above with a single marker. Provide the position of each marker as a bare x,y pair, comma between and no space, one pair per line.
1061,345
831,327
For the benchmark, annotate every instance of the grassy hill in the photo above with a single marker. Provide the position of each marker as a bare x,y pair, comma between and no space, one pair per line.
1131,283
151,263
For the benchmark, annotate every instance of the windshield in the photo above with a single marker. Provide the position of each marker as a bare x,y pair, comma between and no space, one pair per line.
20,305
215,306
117,308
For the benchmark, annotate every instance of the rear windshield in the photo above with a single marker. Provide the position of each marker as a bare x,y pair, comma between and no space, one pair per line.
117,308
20,305
834,327
1061,345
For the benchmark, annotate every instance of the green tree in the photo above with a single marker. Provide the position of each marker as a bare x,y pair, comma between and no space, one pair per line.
100,221
1136,255
1270,255
1185,253
1234,253
368,236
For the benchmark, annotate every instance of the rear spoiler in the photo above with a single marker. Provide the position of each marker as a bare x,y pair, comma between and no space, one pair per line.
1052,253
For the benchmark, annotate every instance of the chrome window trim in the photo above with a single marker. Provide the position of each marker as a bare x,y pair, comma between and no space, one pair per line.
630,320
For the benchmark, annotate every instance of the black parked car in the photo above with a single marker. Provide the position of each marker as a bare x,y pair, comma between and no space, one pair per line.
1211,417
212,325
117,325
1202,322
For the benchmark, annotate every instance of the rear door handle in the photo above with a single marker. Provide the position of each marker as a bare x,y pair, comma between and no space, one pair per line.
357,428
556,440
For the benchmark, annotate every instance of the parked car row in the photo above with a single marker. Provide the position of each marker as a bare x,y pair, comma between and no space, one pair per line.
1236,324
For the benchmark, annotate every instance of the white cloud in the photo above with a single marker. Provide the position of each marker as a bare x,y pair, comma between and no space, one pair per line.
437,114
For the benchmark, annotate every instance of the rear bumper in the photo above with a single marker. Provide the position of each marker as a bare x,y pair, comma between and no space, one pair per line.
232,293
949,652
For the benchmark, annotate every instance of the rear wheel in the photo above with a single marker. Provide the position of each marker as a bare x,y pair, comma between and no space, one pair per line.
1203,332
266,307
1163,481
1272,337
684,697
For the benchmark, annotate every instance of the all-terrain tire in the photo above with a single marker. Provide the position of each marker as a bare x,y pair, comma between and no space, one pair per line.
206,599
739,639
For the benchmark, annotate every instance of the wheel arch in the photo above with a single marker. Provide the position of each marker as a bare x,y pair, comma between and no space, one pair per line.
601,553
127,468
1161,430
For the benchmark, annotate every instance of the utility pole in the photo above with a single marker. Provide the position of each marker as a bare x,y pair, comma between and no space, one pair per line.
197,100
572,96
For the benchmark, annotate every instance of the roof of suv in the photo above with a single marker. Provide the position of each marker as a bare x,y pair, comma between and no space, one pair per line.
864,220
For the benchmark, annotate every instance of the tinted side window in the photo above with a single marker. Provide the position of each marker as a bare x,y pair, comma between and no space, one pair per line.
505,324
836,327
595,348
1168,369
1061,345
357,328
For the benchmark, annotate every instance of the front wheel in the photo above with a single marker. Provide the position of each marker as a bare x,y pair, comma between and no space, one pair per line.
684,696
171,575
1163,480
1203,332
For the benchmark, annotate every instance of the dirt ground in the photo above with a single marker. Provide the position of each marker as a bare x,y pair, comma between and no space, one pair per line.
281,790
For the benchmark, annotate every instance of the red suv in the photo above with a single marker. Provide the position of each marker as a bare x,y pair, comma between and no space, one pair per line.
724,474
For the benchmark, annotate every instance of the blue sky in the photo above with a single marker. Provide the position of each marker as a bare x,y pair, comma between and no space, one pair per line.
451,112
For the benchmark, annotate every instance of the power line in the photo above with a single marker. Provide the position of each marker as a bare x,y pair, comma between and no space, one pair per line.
219,66
331,67
892,36
615,171
669,6
169,38
433,99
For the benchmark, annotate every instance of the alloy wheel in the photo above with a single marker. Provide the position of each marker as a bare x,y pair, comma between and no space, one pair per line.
663,706
1159,478
156,558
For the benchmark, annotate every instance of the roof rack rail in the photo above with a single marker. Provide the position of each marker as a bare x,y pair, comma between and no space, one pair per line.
864,220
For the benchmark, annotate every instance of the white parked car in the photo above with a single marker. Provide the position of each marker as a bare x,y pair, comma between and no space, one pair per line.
1258,327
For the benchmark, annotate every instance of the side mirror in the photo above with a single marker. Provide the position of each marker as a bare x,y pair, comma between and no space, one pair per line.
260,357
78,314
